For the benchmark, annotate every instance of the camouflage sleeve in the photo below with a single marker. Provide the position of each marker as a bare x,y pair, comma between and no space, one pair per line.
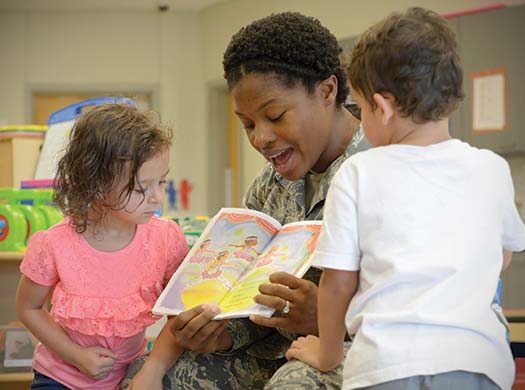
255,195
244,332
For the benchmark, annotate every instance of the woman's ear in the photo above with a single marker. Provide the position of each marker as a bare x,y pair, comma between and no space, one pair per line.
386,105
328,89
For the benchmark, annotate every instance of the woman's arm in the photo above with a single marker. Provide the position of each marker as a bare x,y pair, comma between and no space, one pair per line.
95,362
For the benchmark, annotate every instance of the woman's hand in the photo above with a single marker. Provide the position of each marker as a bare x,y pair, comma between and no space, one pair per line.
302,297
196,330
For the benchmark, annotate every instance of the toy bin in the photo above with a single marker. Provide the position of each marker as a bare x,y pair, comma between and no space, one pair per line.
19,152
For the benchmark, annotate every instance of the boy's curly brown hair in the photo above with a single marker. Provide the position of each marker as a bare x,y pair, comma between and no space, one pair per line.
107,147
413,56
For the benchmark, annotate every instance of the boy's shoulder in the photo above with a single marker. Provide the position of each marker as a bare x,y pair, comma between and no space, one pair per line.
448,150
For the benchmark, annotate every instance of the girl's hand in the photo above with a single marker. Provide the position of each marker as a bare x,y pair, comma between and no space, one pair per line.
305,349
146,379
95,362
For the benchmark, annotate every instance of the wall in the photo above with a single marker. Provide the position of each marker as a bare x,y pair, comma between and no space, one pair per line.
176,55
89,50
345,18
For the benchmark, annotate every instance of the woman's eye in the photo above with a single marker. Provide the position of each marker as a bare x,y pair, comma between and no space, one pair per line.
163,182
249,127
277,118
140,190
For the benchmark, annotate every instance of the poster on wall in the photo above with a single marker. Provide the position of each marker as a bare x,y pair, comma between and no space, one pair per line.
489,100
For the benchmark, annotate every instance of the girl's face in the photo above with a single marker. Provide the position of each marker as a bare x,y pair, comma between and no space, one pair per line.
147,197
287,125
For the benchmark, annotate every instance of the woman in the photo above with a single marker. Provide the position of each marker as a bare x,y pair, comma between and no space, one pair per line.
288,88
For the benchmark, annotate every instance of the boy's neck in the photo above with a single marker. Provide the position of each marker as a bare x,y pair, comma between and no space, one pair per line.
343,128
420,134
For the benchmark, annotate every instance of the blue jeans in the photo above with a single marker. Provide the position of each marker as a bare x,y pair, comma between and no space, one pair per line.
446,381
42,382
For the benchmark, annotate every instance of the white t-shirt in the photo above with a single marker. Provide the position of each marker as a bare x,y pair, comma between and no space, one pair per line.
425,226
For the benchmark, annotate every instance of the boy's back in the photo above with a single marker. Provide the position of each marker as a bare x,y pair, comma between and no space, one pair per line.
431,223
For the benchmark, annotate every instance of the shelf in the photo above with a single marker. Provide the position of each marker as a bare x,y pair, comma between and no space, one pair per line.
11,256
515,315
16,377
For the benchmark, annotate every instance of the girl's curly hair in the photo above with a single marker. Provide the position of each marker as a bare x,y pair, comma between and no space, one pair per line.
107,147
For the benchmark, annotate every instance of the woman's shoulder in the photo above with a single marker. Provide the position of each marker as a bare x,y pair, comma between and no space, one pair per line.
262,185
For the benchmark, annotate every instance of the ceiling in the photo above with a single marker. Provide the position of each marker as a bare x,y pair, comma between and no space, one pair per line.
179,5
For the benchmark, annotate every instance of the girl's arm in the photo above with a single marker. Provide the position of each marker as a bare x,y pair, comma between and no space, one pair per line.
95,362
164,354
325,352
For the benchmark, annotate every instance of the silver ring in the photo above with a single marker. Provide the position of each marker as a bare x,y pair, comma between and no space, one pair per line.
286,308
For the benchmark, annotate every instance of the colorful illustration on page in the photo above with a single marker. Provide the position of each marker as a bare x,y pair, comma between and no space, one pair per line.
288,251
223,255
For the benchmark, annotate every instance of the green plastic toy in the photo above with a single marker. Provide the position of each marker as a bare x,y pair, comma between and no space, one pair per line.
18,221
13,224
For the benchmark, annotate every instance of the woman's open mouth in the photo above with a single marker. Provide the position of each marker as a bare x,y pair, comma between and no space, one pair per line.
282,161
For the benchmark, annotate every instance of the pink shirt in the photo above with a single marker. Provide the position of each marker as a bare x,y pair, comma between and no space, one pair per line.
102,298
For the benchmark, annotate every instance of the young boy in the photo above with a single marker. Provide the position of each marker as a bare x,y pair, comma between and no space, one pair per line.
417,230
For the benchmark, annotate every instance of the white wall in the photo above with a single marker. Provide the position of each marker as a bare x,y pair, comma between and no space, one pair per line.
89,50
177,55
345,18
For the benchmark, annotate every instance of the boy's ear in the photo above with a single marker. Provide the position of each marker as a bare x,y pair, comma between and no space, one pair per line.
387,106
328,89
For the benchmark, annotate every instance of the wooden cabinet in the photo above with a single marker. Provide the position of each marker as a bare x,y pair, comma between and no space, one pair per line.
9,276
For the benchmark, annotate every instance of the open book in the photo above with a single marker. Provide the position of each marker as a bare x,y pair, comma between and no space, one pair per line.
237,252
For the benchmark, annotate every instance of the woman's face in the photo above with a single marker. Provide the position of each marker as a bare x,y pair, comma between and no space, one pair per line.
287,125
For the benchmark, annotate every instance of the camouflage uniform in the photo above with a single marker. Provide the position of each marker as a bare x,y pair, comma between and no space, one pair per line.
256,359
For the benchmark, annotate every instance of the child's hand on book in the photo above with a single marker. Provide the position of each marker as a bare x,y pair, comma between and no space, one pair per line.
302,297
196,330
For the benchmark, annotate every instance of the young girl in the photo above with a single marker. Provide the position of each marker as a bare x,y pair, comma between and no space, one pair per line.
108,261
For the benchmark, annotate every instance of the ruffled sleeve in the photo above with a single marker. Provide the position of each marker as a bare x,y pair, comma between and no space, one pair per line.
177,249
122,317
39,261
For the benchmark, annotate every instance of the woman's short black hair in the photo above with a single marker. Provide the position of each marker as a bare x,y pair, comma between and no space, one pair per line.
290,46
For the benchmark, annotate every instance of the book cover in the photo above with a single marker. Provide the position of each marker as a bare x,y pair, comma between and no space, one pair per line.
238,251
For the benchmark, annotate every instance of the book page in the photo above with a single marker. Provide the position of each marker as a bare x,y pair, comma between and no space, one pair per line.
289,251
228,246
